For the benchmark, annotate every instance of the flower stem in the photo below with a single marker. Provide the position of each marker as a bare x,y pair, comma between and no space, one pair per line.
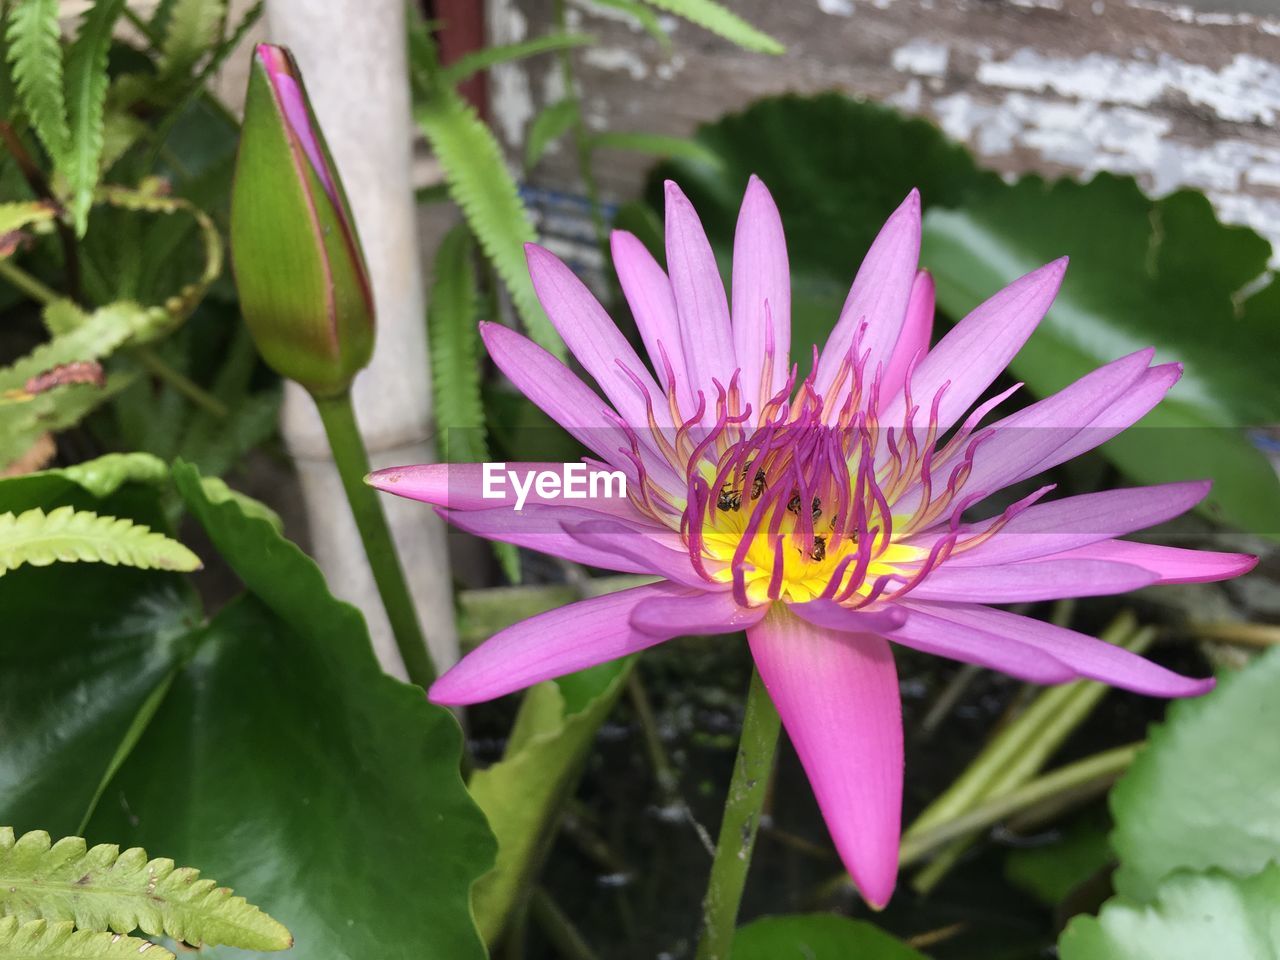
28,284
1090,775
155,365
340,426
742,807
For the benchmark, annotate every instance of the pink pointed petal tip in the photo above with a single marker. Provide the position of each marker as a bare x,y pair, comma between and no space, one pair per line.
428,482
837,695
549,645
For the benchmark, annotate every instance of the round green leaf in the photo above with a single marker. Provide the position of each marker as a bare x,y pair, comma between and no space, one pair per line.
267,747
1162,273
77,674
1206,790
1194,917
818,936
287,762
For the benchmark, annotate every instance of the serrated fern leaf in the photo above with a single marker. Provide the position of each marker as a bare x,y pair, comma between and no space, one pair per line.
35,50
16,216
68,535
189,296
62,316
106,330
455,369
100,888
552,122
192,29
86,99
40,940
479,183
24,422
721,21
638,12
483,59
103,476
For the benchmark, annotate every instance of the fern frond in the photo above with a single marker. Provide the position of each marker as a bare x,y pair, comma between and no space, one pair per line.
552,122
62,316
192,30
101,888
68,535
455,370
106,330
483,59
721,21
103,476
86,100
120,131
452,317
23,422
638,12
188,298
35,50
40,940
17,216
480,184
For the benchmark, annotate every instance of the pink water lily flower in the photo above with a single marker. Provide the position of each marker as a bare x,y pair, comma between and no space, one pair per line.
822,516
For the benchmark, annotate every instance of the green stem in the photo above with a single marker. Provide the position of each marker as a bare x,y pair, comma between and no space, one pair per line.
39,185
742,808
557,927
1091,773
1019,751
339,419
28,284
155,365
663,771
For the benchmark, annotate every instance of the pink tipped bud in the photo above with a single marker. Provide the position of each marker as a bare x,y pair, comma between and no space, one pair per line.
304,287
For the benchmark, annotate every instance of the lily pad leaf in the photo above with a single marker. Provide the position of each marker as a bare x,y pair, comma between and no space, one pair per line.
818,936
1194,916
1206,790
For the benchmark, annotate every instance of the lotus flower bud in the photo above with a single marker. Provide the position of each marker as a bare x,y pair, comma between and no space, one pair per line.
304,287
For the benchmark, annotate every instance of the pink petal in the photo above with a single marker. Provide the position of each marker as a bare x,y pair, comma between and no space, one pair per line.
837,694
978,348
1060,525
925,630
1127,410
913,342
550,645
1020,444
877,298
695,614
832,616
594,339
665,557
761,275
542,529
461,486
553,388
653,305
1085,655
1167,564
1031,580
706,332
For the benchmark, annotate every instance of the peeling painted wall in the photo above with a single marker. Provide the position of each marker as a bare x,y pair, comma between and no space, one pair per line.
1173,95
